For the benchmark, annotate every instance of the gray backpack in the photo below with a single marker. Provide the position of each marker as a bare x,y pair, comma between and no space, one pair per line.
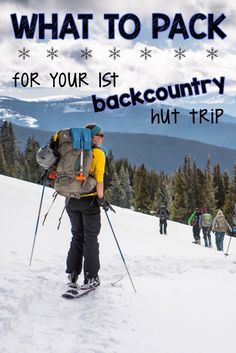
220,224
67,158
75,157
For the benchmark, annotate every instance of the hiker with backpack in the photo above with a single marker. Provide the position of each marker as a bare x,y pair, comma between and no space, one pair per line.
163,215
220,226
194,221
79,166
205,225
85,218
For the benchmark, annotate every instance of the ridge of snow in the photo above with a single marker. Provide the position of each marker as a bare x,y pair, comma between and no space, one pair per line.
9,114
50,98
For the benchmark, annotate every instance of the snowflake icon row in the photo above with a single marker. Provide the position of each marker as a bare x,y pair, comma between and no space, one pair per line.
115,53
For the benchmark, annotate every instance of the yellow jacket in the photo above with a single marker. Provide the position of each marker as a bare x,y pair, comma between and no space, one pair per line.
97,168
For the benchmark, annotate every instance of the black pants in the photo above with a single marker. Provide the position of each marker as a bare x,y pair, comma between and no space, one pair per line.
85,221
163,225
196,233
207,235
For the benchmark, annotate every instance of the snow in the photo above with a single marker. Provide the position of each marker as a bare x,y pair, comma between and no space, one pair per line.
185,300
23,120
50,98
2,98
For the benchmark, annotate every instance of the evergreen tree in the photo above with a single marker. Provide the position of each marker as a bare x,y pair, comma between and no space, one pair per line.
165,189
115,194
125,184
32,170
219,187
110,167
209,189
230,198
178,210
226,182
109,175
187,175
197,186
153,182
163,192
3,163
131,171
10,150
26,170
141,199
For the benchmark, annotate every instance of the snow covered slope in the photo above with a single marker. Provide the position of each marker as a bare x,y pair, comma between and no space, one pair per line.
185,300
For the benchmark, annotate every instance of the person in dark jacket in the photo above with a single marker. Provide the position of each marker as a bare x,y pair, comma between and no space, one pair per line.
163,215
194,221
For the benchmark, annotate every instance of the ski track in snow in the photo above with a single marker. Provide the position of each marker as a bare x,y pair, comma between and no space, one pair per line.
26,318
179,286
35,319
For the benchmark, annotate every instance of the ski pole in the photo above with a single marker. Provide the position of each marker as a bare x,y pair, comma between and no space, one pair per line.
37,223
117,243
227,254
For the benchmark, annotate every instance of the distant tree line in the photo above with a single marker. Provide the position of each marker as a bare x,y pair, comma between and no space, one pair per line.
187,188
15,163
136,187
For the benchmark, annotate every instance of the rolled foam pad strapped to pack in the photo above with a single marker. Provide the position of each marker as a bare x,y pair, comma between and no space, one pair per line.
81,138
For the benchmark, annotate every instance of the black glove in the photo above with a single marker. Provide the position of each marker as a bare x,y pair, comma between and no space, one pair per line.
104,204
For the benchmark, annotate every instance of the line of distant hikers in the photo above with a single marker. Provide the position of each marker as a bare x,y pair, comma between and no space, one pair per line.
201,219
